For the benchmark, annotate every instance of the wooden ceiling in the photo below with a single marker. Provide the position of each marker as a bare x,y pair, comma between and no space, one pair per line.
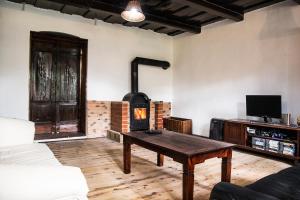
172,17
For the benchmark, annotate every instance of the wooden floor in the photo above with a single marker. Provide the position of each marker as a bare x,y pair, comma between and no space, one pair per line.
101,162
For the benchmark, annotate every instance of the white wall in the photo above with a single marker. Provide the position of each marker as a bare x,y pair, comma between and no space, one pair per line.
214,71
110,51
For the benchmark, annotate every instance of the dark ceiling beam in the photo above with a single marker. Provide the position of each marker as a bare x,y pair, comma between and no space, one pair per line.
173,33
214,9
164,4
171,21
196,15
180,9
212,20
158,18
262,4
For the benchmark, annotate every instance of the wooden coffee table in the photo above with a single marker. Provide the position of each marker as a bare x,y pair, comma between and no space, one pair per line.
186,149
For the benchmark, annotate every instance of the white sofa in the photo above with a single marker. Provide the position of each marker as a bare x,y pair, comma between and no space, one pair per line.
30,171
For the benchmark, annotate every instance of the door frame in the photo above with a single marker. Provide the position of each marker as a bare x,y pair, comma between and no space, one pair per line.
47,36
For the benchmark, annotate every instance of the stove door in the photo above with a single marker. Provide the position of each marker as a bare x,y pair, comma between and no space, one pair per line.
139,117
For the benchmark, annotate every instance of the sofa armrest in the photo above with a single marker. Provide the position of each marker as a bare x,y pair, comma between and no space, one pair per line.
19,182
227,191
16,132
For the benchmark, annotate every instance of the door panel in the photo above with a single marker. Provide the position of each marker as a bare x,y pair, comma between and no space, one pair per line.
68,128
68,75
42,129
42,112
42,76
68,112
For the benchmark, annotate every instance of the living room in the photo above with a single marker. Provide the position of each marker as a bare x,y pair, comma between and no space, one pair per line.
190,60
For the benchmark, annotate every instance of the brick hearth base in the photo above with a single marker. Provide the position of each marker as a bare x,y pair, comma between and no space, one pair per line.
108,119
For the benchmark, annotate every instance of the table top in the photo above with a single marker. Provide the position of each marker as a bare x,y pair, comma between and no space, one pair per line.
181,143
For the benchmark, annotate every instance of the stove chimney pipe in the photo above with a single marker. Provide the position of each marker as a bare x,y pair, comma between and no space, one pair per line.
143,61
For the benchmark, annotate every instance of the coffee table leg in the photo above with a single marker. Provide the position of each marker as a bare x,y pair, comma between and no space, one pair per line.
188,182
126,155
160,160
226,167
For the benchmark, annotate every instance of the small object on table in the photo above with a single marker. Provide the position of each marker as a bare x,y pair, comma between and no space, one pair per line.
298,120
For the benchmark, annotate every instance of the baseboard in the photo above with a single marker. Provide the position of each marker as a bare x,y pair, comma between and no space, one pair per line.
61,139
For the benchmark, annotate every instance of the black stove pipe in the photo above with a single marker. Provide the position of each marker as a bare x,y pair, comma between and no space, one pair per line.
143,61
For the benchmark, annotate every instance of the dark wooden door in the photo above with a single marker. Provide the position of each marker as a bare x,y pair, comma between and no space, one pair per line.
42,87
57,86
67,90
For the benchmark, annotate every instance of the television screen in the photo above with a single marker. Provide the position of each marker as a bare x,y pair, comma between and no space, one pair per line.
264,105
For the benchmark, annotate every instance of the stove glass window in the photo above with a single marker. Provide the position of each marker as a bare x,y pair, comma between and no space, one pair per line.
140,113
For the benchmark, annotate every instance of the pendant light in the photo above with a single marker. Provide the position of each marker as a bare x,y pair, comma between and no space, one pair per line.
133,12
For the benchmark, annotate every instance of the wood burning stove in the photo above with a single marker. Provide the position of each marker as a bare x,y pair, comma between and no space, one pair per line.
139,102
139,111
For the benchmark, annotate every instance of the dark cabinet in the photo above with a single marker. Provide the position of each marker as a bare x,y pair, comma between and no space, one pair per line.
234,133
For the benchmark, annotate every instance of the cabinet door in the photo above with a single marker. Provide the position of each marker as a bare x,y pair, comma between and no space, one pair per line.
234,133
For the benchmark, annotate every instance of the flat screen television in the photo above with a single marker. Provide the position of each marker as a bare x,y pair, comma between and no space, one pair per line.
266,106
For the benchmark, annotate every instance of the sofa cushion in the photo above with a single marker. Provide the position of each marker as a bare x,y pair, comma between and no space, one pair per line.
16,132
283,185
20,182
228,191
28,154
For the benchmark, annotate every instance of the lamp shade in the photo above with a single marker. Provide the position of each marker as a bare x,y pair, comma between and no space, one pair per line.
133,12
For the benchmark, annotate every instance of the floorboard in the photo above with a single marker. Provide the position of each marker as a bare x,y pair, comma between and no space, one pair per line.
101,162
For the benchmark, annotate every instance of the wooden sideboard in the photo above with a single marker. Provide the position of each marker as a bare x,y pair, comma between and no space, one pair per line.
235,131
